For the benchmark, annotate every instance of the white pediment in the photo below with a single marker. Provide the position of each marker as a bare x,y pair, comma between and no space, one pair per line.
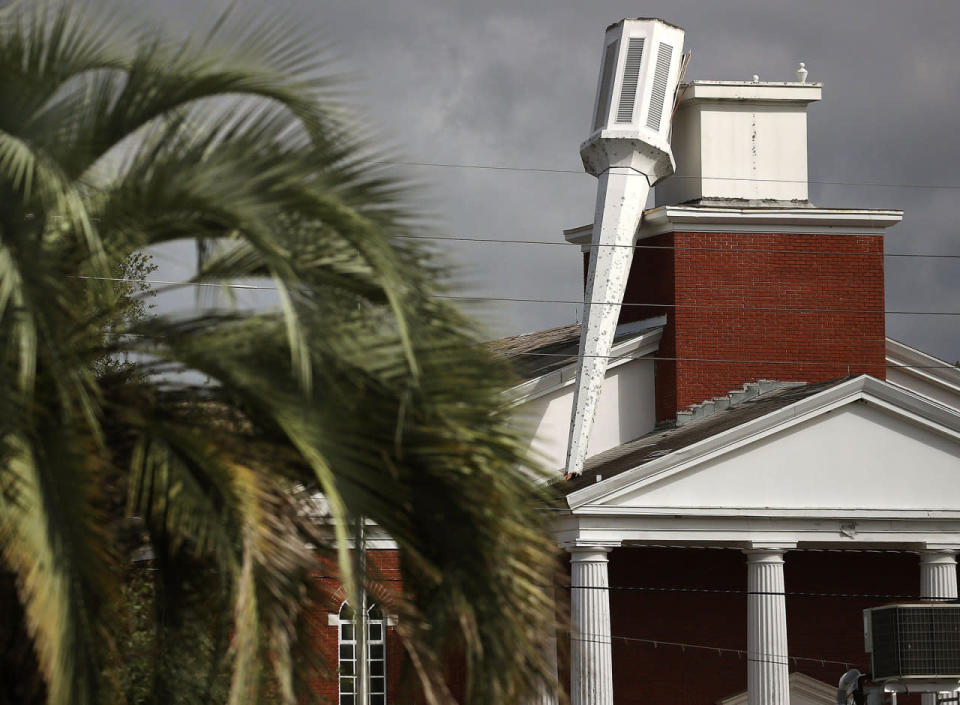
865,448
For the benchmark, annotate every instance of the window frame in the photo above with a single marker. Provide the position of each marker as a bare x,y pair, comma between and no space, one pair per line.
346,626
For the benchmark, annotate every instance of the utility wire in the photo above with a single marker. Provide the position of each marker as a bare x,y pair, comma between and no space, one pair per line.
724,250
544,170
629,356
780,659
712,307
579,302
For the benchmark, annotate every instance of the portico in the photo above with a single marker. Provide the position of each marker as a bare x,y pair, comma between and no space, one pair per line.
855,465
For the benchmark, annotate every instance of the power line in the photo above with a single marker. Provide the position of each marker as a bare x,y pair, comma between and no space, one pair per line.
580,172
712,307
810,363
457,297
781,659
725,250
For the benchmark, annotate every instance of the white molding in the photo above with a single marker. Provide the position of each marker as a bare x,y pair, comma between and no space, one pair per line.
771,512
895,399
746,219
755,92
677,528
333,620
846,221
917,363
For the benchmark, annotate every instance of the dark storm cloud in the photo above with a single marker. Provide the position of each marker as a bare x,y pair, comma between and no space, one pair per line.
512,83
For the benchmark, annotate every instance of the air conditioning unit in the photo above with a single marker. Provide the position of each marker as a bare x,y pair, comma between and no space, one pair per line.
913,642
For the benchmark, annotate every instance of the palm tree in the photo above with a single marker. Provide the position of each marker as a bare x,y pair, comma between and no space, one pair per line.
360,384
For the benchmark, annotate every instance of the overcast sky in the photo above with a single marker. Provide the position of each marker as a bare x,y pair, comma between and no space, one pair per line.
511,83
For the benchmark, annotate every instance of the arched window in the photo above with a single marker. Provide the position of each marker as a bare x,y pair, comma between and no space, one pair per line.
376,656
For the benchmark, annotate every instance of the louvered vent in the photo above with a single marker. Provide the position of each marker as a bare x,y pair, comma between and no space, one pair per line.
603,100
660,76
631,74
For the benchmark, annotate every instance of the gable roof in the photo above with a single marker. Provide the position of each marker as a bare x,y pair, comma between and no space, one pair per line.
660,455
664,441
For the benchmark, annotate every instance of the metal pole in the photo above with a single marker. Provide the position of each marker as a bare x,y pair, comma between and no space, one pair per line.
360,619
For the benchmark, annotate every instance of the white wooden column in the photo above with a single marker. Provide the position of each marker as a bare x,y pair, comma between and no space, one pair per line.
768,676
938,574
938,581
591,661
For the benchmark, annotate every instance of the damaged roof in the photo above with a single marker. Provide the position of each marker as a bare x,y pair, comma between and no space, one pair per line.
666,440
535,354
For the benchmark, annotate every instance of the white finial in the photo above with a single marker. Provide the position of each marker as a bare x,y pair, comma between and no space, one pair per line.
802,73
756,78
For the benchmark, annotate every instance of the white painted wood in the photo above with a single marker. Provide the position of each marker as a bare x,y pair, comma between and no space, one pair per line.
625,411
899,402
923,374
863,462
855,457
938,574
591,659
627,156
735,140
768,677
620,200
938,580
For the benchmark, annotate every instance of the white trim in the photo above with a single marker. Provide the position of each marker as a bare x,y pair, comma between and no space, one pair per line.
629,350
917,363
737,91
676,526
891,397
835,221
732,219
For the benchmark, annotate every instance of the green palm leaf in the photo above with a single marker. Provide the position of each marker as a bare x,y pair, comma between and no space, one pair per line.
359,386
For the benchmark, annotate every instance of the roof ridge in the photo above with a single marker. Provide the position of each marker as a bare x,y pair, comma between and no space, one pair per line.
749,390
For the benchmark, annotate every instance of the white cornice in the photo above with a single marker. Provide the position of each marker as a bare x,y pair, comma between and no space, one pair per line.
678,526
937,372
731,219
750,92
777,220
895,399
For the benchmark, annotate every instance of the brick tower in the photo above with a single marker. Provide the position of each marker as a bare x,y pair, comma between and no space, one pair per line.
755,281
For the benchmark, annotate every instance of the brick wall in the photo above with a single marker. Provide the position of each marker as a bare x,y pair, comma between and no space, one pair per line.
383,566
740,297
402,684
822,627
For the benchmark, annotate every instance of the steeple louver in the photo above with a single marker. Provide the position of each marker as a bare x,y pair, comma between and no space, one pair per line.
661,76
631,75
606,84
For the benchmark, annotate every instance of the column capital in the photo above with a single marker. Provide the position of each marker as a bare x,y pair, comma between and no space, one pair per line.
939,553
767,552
579,547
588,552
